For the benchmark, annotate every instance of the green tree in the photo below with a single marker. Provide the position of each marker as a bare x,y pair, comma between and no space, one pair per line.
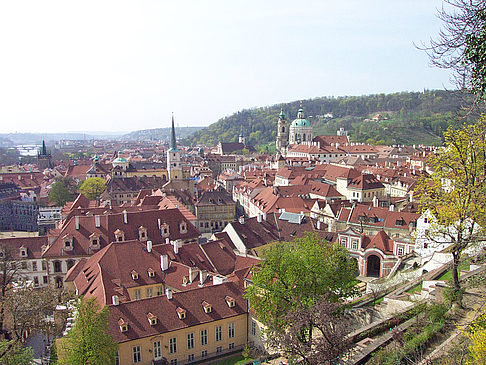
460,45
62,191
88,342
93,187
455,192
296,274
13,353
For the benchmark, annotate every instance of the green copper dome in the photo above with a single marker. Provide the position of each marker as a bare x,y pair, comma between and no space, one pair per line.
300,121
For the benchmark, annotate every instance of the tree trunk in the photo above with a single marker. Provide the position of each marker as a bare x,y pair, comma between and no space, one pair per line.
455,273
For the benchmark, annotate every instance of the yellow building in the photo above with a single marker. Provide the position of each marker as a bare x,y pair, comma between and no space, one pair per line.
181,328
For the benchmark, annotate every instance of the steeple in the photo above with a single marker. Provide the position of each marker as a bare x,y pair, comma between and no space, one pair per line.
173,143
44,150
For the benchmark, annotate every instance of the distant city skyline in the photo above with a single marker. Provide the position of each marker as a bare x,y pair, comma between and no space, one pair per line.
127,65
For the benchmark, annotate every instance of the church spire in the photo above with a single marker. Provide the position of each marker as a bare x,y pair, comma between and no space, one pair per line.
44,149
173,143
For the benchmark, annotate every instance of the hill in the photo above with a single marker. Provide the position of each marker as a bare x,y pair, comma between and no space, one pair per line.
160,133
406,118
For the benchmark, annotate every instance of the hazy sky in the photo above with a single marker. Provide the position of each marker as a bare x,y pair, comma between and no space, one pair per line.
126,65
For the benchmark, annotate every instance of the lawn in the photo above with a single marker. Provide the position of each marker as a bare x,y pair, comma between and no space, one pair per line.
447,275
416,289
234,360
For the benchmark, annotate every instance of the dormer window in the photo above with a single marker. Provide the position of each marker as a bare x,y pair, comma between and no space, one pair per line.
164,230
183,227
185,280
134,275
119,235
23,251
95,241
142,233
68,242
151,272
207,307
230,301
152,319
123,325
181,312
400,222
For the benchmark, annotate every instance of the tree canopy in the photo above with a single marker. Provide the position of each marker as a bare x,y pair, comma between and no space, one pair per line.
455,191
62,191
460,45
298,273
88,342
93,187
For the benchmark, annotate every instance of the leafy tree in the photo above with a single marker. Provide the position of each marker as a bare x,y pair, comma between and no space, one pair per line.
62,191
294,275
93,187
13,353
477,338
88,342
460,45
454,192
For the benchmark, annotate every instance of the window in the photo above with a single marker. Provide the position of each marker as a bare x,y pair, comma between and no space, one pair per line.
219,349
24,265
204,353
219,333
400,250
158,290
231,346
253,328
173,362
190,357
137,354
149,292
204,337
157,350
344,241
190,341
117,358
136,294
355,244
45,279
231,330
44,266
36,281
173,345
34,265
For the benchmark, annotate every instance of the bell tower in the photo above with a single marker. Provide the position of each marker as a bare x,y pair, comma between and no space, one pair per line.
282,139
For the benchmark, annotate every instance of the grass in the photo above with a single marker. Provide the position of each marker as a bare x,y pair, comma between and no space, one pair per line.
234,360
447,275
377,301
416,289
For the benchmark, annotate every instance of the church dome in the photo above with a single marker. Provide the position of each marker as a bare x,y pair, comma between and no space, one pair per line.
300,121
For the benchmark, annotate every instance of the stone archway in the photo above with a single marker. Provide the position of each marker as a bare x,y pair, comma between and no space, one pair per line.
373,266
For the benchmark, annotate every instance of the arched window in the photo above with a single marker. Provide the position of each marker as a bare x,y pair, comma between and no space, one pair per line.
57,266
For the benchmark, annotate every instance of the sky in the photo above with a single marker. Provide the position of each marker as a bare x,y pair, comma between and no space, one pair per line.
127,65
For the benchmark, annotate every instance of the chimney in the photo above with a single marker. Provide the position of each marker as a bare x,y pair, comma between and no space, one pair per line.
392,208
193,272
203,274
164,262
76,221
259,218
264,216
149,246
158,223
167,241
115,300
168,293
375,201
97,221
125,217
241,220
176,247
318,225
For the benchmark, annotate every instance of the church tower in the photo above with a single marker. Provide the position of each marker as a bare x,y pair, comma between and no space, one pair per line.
44,158
300,129
174,167
282,139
